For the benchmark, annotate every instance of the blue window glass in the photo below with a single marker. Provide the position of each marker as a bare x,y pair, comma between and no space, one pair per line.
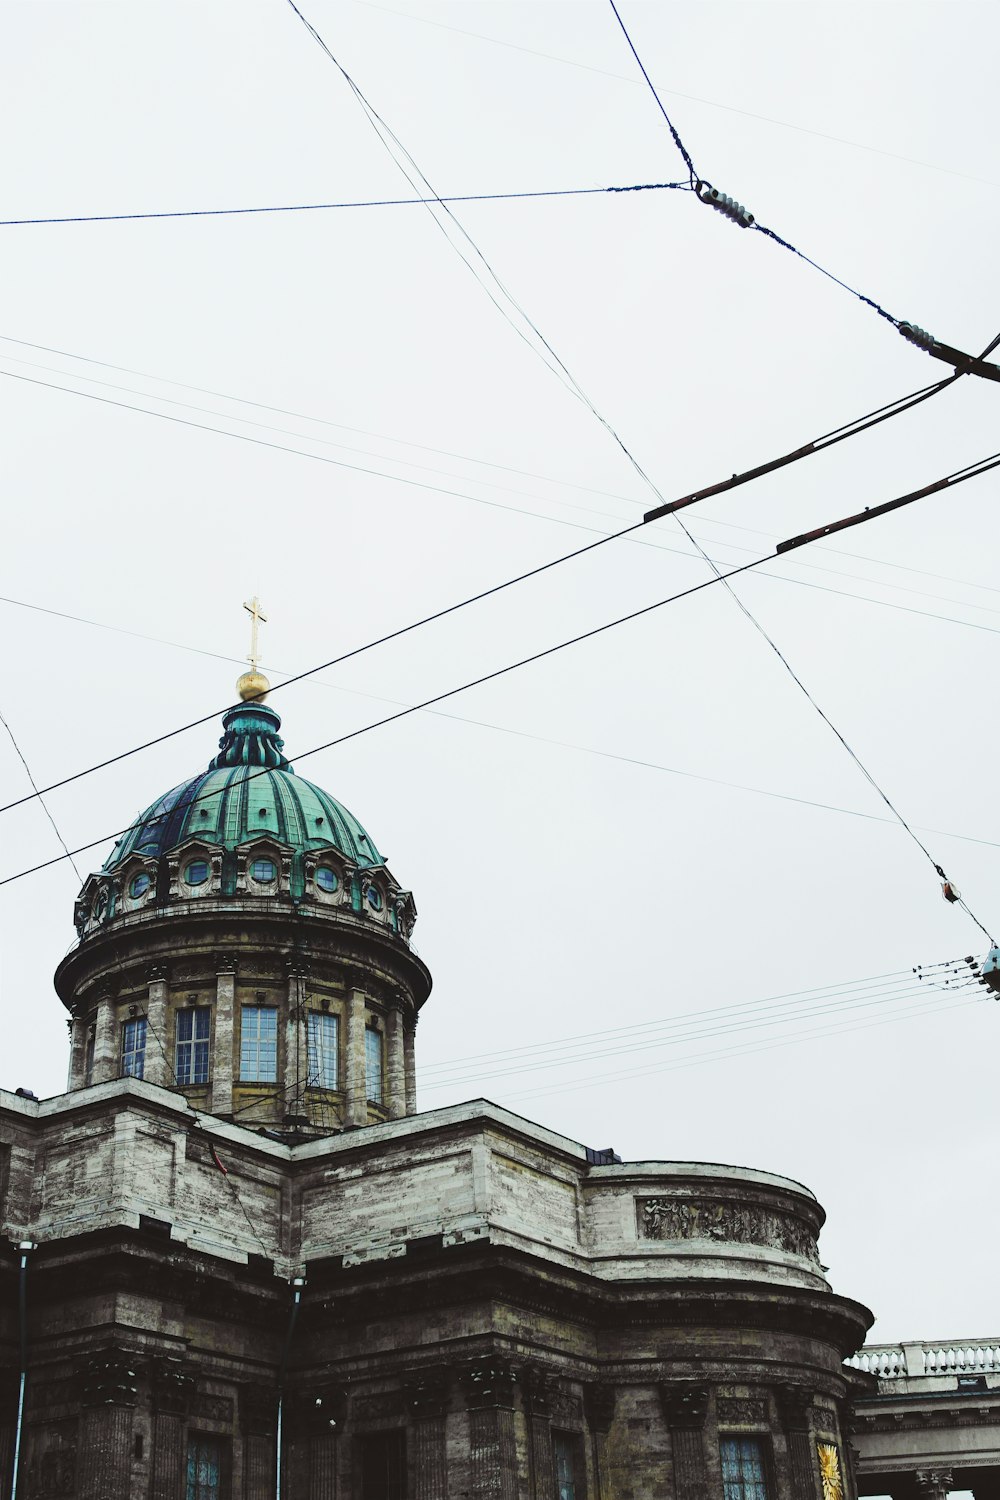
139,885
743,1473
322,1037
373,1065
134,1048
263,870
259,1044
204,1469
374,898
564,1452
326,878
196,872
194,1027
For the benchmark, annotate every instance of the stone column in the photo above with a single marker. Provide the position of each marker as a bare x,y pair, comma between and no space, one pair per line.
489,1394
685,1407
159,1065
410,1066
109,1396
794,1403
428,1400
986,1484
538,1387
172,1388
78,1029
296,1051
395,1070
355,1104
223,1042
599,1408
259,1420
107,1043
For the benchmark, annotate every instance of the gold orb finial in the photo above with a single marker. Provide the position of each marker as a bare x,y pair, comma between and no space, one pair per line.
253,686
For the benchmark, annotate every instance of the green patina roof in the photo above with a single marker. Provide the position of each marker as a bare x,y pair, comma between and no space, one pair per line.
248,790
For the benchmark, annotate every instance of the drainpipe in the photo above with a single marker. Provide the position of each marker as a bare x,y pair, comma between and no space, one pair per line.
298,1283
25,1248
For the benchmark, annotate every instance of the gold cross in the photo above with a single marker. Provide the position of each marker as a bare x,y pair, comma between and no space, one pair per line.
256,618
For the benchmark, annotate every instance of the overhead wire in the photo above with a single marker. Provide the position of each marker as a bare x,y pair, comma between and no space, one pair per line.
37,795
541,739
648,1046
847,430
299,208
548,354
542,655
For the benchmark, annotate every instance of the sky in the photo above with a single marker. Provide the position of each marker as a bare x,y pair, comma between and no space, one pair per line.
664,909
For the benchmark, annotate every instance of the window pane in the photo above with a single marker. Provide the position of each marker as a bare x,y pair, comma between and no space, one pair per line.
193,1028
259,1044
743,1468
564,1449
134,1048
373,1065
204,1469
322,1039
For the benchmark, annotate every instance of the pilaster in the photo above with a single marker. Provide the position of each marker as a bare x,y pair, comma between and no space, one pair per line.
356,1106
296,1052
428,1400
794,1403
685,1407
224,1036
395,1065
108,1394
410,1065
172,1390
489,1394
158,1066
107,1041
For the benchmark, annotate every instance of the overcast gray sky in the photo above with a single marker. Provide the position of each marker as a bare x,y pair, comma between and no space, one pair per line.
601,842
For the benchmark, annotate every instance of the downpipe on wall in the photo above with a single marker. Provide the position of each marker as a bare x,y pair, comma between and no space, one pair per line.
25,1247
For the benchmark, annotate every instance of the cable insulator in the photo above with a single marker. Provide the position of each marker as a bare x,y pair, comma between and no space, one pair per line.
918,336
728,206
950,892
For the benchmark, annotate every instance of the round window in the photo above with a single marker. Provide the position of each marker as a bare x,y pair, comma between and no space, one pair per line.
326,878
374,898
196,872
139,885
263,870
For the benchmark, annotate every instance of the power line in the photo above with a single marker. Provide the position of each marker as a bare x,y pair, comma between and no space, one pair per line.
851,429
548,353
541,739
542,655
36,794
692,1033
299,208
746,220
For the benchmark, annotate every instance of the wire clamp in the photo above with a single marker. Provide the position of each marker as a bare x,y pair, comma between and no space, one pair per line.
728,206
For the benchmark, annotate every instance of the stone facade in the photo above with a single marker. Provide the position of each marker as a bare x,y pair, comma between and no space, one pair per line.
482,1307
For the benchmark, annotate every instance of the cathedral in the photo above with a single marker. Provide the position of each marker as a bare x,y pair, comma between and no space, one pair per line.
238,1263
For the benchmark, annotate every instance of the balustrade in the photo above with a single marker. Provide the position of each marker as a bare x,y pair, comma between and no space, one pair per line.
899,1361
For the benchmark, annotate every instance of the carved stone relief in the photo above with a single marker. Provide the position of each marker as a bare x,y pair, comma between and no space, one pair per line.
712,1219
742,1411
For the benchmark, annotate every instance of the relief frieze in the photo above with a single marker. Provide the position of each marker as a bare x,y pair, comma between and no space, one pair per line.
714,1219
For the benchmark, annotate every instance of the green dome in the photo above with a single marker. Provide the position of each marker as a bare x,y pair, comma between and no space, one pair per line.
248,790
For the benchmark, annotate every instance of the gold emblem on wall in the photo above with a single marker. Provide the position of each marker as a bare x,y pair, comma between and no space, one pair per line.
829,1469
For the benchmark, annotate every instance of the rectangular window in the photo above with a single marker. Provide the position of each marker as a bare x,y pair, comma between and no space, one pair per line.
194,1027
134,1048
383,1465
567,1454
373,1065
743,1468
259,1044
322,1039
204,1468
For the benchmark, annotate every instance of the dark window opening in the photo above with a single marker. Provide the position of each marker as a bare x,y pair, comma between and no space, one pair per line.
204,1468
383,1465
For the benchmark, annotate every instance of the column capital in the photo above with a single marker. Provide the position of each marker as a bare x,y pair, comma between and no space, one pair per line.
794,1404
173,1386
488,1383
109,1379
156,973
539,1387
429,1393
599,1405
684,1403
226,963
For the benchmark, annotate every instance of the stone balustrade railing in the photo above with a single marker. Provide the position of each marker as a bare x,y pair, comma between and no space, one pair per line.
956,1357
